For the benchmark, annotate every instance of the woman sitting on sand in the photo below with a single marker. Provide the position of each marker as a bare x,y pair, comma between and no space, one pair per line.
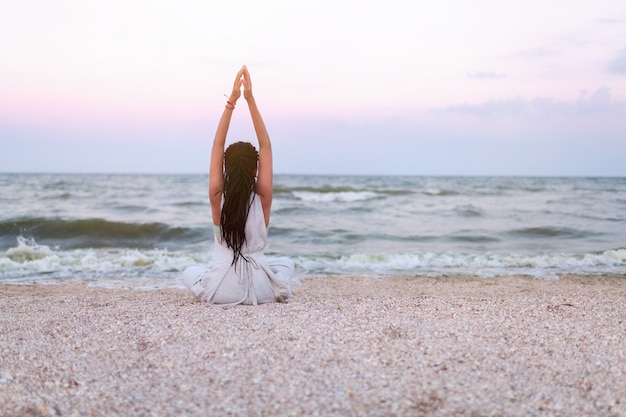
240,273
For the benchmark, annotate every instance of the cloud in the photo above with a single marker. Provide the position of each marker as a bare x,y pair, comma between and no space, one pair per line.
611,21
618,64
600,101
537,53
484,75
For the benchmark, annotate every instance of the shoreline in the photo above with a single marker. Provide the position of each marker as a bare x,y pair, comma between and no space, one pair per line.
157,284
511,345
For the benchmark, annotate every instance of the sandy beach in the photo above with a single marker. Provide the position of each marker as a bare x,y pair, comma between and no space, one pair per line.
398,346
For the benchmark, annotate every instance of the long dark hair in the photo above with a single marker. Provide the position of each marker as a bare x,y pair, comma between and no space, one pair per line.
240,164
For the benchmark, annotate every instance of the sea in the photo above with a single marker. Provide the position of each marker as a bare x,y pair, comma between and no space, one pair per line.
142,231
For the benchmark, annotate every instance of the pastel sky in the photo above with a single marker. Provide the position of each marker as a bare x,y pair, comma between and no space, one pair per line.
455,87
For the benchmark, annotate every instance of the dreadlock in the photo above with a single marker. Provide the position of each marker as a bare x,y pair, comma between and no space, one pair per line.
240,163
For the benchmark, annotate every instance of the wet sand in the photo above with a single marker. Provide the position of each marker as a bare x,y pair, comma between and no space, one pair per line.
342,346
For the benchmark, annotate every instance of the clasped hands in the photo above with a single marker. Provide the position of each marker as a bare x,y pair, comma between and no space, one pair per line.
242,79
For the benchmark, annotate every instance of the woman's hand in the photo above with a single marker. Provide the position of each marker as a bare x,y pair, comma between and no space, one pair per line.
236,93
247,84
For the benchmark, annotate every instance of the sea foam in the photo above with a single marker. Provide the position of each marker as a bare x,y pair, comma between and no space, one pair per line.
30,259
339,196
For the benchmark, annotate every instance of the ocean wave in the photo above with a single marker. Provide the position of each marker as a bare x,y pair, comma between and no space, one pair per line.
57,185
468,210
483,264
550,232
278,189
99,233
337,196
200,203
474,238
325,194
60,196
440,193
32,261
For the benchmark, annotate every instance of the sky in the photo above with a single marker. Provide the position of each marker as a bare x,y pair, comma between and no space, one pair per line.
411,87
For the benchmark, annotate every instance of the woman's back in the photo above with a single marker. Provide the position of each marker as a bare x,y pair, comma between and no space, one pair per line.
256,231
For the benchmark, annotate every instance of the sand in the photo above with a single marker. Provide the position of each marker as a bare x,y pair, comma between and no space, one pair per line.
343,346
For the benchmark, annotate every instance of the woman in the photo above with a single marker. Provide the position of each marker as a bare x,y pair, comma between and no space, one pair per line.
240,191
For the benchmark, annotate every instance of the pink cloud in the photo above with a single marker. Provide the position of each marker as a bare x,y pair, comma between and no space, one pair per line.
104,113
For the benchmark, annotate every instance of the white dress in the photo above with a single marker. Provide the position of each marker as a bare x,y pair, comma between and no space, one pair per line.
253,279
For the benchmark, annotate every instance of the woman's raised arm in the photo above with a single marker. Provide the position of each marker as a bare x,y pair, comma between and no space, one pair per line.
264,182
216,173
